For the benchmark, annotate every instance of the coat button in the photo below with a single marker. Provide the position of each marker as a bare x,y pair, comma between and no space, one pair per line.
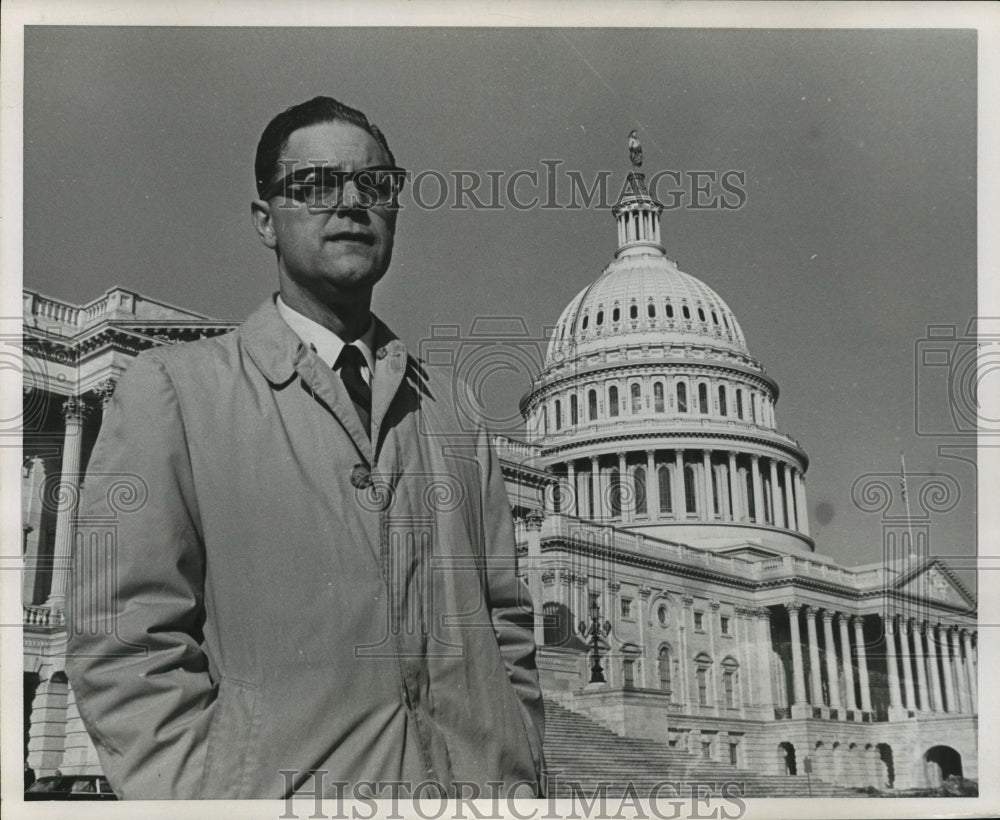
381,353
361,476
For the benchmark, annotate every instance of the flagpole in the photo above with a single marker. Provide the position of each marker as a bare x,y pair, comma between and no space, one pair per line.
906,498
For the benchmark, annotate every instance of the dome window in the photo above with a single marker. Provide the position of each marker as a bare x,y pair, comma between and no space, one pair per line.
612,401
701,314
592,405
715,317
686,312
633,312
636,399
702,399
572,409
722,401
724,319
600,318
651,310
616,314
682,397
586,321
739,403
558,414
658,397
670,311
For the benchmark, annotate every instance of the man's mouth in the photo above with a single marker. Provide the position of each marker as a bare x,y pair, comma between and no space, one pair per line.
352,236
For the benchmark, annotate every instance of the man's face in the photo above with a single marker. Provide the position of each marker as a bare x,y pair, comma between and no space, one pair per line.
335,254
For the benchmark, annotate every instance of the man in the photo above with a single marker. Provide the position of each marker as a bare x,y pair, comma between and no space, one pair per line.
313,581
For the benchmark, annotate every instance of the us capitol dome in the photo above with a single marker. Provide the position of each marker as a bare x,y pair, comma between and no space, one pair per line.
654,414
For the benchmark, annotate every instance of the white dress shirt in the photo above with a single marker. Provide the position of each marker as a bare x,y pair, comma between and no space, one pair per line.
326,343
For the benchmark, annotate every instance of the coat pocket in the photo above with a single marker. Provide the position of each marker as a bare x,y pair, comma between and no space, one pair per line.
229,756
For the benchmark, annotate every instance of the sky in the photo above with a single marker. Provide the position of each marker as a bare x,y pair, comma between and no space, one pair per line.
858,231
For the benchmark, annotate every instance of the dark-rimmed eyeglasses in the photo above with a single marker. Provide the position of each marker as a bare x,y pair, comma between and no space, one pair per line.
320,188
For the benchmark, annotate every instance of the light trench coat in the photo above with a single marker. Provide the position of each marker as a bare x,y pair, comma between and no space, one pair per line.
260,591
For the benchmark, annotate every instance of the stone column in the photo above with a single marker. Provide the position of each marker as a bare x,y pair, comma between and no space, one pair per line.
970,670
677,487
923,695
907,660
708,513
604,481
570,503
932,644
625,489
595,487
790,511
831,660
800,497
845,663
815,676
895,700
777,500
652,486
865,686
734,488
765,651
758,495
798,672
949,673
533,526
75,411
956,654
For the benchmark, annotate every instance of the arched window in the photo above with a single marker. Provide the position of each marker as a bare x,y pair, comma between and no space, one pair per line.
670,311
545,420
612,401
701,314
703,668
558,414
616,492
690,498
715,317
636,398
592,405
686,312
716,501
586,320
666,502
730,672
739,403
639,479
572,409
703,398
651,310
753,407
722,400
616,314
633,311
663,667
600,318
658,397
682,397
751,502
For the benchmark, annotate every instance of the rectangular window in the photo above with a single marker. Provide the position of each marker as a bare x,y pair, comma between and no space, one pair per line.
733,754
628,670
699,621
702,676
727,685
626,607
706,749
724,625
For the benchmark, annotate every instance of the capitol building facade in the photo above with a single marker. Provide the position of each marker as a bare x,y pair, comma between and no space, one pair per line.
662,519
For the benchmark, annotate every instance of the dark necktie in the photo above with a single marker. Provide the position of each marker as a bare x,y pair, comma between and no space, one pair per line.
349,364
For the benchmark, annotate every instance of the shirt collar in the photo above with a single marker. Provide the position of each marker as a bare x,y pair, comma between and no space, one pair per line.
325,342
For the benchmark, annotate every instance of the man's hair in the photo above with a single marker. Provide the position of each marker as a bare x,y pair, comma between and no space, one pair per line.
318,109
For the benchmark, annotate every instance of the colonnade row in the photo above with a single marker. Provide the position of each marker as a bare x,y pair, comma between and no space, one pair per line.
938,663
75,410
682,485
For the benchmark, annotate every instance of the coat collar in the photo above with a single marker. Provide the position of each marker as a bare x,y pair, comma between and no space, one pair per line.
276,349
280,355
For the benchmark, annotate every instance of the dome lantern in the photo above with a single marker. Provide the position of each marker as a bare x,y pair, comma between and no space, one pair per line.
636,212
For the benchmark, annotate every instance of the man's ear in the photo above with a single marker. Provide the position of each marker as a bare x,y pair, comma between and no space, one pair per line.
263,223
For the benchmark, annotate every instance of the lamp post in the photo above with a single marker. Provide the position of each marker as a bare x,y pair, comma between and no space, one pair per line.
594,632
